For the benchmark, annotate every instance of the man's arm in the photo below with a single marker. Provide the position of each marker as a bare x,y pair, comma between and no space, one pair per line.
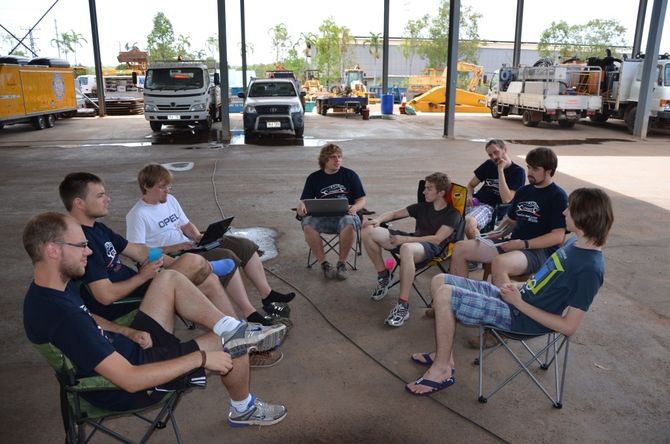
357,206
471,189
442,233
506,195
388,217
191,231
504,229
134,378
551,239
566,324
106,291
142,338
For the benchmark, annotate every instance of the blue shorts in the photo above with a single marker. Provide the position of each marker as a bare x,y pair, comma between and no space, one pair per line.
429,250
332,225
478,303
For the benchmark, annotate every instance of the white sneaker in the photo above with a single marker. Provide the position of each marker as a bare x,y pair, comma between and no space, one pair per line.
258,413
398,315
382,288
253,336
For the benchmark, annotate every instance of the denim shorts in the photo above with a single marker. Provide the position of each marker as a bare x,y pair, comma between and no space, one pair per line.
332,225
478,303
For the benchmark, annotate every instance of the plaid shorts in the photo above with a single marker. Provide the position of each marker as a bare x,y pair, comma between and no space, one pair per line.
478,302
482,214
332,225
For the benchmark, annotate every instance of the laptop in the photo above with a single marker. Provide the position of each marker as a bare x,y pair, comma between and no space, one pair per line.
326,207
212,237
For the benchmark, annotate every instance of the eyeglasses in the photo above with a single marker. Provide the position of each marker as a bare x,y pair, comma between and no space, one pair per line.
77,245
165,187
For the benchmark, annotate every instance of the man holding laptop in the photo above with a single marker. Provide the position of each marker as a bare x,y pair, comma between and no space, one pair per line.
332,181
157,220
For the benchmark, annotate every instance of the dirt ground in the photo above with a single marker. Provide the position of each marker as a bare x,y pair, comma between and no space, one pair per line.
343,371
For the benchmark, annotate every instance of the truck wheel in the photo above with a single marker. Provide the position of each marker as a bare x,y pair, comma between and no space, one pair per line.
155,126
494,110
324,110
599,117
39,122
630,118
527,119
299,132
50,121
566,123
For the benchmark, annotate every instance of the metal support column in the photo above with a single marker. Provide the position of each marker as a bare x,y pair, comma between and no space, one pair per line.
516,54
639,27
385,45
102,110
452,72
244,46
649,76
223,70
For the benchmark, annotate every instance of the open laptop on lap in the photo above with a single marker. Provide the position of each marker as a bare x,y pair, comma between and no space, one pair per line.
326,207
212,237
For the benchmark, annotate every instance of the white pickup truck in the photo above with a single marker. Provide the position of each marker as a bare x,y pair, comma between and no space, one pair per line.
562,93
180,93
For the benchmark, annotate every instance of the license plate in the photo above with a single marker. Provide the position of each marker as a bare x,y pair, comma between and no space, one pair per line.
273,124
173,117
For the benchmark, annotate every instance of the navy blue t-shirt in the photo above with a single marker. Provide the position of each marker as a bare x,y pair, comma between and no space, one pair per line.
343,183
105,263
487,173
61,318
537,211
571,277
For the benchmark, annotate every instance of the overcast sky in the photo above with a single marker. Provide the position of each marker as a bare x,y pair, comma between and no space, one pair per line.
131,22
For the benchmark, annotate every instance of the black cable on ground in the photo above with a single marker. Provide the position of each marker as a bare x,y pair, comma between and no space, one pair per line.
380,364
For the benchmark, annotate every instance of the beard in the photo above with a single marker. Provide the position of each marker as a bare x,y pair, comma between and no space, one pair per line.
71,271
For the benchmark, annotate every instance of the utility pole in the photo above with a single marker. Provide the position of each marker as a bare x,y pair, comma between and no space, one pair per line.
57,37
31,38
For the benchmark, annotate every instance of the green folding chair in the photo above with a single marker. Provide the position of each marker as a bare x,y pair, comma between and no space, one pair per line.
78,414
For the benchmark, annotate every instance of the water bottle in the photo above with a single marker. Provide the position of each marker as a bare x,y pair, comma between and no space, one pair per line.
154,253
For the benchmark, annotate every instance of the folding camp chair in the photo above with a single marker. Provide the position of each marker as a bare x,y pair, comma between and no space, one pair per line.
456,197
331,242
77,413
545,357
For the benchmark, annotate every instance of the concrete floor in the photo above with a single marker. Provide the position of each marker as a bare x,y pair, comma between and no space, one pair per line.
343,371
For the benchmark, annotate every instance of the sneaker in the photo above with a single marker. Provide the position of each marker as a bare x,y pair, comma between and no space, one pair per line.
473,266
277,309
265,359
341,271
398,315
382,288
328,270
259,413
251,336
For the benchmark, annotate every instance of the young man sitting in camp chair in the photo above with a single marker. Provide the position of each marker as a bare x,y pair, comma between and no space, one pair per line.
555,298
436,220
145,359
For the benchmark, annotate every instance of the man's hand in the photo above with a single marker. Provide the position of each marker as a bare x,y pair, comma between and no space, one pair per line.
516,244
301,210
503,162
219,362
352,210
371,222
396,239
510,293
150,269
184,246
141,338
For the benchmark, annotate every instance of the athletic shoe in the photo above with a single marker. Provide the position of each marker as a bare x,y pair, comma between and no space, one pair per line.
265,359
398,315
382,288
328,270
277,309
251,336
341,271
258,413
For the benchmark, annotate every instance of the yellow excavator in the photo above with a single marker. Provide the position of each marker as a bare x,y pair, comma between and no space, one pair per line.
429,91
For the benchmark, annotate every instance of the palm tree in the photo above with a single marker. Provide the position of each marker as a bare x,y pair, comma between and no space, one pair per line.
374,43
75,39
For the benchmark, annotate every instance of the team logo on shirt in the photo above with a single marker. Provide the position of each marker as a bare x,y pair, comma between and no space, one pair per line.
84,308
334,190
111,254
170,219
546,273
529,210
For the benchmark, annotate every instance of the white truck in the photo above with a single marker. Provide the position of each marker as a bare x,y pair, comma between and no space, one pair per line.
621,92
180,93
562,93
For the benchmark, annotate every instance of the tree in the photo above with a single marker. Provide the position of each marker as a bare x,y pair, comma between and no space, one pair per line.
212,45
183,46
374,44
75,40
332,50
131,46
582,41
161,39
412,33
280,41
435,49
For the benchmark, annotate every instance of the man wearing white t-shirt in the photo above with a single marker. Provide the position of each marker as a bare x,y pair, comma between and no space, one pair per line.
158,220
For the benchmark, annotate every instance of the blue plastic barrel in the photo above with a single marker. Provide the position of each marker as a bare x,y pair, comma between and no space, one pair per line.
387,103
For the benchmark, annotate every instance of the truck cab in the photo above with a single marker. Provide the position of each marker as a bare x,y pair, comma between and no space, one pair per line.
181,94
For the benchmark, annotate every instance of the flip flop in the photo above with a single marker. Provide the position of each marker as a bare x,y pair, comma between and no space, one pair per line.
427,360
435,386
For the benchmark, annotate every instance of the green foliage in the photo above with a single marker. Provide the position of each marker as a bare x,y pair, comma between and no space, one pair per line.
374,44
67,42
435,49
280,41
212,45
331,51
160,40
582,40
412,33
183,47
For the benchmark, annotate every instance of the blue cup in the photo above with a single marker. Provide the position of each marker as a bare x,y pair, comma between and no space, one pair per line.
154,254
